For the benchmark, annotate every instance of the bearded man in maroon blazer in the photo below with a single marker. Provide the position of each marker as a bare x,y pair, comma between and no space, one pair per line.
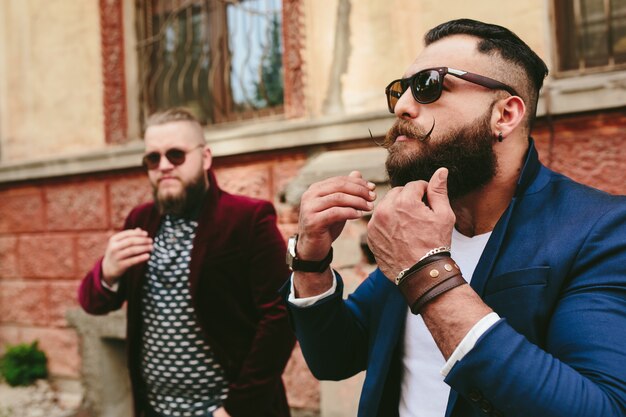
200,271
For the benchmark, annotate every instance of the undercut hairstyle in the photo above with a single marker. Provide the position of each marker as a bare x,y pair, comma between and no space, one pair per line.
174,114
498,40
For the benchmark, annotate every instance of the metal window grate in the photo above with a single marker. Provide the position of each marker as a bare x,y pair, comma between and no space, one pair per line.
220,58
591,35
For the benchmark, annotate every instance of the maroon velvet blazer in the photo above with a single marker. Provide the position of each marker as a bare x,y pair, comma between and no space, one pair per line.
237,266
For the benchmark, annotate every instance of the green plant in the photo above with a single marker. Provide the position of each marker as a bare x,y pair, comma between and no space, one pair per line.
22,364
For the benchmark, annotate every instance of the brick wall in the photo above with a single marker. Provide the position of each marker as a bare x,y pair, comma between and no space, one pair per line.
52,231
590,148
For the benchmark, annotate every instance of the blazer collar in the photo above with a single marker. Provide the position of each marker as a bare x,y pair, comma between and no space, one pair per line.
530,169
530,180
206,232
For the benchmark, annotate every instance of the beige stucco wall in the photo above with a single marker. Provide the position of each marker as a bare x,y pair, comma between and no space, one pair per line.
385,37
50,78
51,71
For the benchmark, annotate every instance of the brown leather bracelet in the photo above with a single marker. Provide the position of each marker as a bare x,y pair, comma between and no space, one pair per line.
447,285
424,280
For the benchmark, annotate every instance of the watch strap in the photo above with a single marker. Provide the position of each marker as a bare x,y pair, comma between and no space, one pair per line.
312,266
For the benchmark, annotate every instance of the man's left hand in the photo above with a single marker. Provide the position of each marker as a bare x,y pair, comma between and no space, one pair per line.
221,412
403,228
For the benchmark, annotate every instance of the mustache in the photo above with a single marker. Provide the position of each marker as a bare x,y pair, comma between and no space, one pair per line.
405,128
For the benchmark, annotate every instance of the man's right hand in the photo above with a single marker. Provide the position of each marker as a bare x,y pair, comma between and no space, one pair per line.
324,209
125,249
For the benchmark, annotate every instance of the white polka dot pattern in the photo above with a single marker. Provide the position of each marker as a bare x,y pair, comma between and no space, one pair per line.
180,373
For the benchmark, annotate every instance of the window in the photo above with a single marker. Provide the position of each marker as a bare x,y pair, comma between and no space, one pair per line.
591,35
220,58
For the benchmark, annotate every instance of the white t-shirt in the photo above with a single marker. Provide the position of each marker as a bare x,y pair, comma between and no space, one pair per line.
423,390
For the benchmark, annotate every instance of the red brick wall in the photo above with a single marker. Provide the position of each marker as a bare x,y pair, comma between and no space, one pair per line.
589,148
52,231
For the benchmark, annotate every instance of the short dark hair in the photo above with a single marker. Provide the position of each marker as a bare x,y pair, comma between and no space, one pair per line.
500,40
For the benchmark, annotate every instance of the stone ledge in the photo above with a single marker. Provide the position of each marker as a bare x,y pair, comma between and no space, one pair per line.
369,161
229,140
589,92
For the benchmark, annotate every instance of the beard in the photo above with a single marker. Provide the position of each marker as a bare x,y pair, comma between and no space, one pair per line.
184,202
467,152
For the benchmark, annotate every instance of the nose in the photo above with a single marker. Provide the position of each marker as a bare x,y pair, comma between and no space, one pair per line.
165,164
406,107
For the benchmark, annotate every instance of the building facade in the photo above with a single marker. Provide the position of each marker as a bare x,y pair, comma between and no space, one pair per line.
289,91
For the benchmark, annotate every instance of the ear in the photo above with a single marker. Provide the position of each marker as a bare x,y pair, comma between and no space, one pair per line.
207,158
508,114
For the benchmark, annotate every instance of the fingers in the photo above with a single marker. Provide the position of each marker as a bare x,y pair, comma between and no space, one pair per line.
326,206
340,197
136,232
437,191
125,249
133,260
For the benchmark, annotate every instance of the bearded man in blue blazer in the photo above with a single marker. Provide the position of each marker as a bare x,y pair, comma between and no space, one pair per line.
540,331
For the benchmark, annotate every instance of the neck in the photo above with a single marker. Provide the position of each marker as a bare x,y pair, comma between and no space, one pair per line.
479,211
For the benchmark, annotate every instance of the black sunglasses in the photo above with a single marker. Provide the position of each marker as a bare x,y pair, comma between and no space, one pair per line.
174,155
427,85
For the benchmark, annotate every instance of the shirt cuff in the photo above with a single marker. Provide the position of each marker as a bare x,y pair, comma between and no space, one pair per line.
308,301
113,288
470,339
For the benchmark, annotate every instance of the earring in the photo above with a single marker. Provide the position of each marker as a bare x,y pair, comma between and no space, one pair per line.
500,138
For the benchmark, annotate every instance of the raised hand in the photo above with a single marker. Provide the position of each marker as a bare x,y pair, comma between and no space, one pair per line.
324,209
403,228
125,249
326,206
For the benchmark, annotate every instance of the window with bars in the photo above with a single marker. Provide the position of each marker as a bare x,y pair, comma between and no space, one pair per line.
220,58
591,35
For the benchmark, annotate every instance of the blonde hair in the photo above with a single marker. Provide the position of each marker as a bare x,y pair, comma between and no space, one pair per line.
174,114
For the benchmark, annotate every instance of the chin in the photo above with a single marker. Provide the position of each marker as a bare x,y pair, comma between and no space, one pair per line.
169,193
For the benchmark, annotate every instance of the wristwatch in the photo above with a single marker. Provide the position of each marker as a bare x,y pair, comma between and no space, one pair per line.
296,264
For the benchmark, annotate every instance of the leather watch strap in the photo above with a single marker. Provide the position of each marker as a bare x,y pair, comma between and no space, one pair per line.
312,266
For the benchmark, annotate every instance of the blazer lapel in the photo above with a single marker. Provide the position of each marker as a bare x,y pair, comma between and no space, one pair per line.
207,233
490,254
488,258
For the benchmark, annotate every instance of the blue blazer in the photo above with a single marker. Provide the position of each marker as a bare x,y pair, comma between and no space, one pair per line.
554,269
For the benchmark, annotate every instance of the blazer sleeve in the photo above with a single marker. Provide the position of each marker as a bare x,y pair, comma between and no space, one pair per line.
255,387
334,333
581,372
92,296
